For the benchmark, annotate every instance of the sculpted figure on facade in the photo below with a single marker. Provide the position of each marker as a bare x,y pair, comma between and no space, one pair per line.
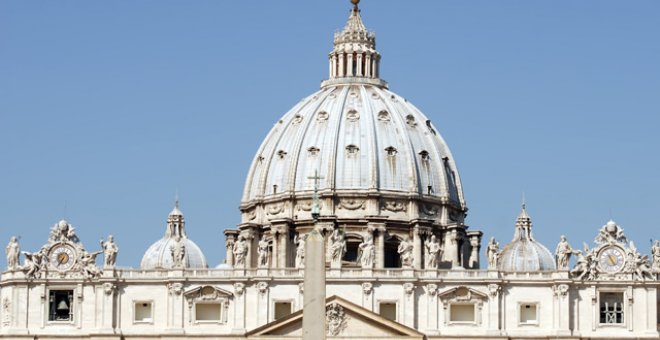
563,253
337,247
405,251
433,252
300,250
367,252
262,251
336,319
110,251
88,265
639,264
240,251
586,265
32,264
655,252
63,231
492,252
178,252
610,233
13,251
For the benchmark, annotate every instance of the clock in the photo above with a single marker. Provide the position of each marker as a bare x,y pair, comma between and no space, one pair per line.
62,257
611,259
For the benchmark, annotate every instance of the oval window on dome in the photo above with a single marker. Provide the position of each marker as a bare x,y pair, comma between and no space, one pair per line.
384,116
410,120
352,115
281,154
352,150
297,119
313,151
391,151
424,155
322,116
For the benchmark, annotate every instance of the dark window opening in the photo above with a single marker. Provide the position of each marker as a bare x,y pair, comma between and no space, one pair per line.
60,305
611,308
392,258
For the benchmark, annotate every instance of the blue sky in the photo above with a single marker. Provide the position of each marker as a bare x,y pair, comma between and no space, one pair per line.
108,108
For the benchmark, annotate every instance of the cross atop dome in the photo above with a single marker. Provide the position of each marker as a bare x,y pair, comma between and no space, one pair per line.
354,58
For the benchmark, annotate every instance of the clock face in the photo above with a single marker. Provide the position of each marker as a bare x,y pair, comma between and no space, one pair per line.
62,257
611,259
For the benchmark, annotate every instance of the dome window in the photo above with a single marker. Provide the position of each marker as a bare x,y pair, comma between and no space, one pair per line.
313,151
281,154
322,116
410,120
297,119
384,116
428,125
352,150
352,116
424,155
391,151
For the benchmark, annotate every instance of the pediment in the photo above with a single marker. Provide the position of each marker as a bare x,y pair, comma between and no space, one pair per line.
462,294
207,293
357,323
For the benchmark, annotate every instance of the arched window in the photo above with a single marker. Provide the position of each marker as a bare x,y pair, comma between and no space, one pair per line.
352,245
392,258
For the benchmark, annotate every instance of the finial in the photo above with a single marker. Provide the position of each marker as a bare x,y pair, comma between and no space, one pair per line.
355,4
176,199
523,201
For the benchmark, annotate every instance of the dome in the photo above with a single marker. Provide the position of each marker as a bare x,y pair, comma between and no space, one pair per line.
159,254
364,141
523,253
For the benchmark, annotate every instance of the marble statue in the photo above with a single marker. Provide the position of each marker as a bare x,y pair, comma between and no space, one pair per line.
63,231
563,253
240,251
367,252
110,251
32,264
655,252
433,250
337,247
178,251
262,251
585,266
405,251
13,252
299,241
88,265
492,252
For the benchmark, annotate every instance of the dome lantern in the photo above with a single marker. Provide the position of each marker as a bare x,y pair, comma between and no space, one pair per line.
354,58
524,253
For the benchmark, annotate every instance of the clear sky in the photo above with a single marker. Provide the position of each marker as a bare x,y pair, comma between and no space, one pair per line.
108,107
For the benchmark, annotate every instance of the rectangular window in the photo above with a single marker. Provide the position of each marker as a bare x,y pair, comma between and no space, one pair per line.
388,310
528,314
611,308
282,309
461,313
143,312
60,305
208,312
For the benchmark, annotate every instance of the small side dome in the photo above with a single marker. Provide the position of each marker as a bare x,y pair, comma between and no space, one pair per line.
159,254
523,253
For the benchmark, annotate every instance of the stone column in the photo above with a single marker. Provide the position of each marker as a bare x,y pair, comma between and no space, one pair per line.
561,309
494,308
230,239
250,260
431,291
417,247
314,289
359,65
334,65
107,292
367,66
349,65
239,308
408,309
340,72
475,245
379,239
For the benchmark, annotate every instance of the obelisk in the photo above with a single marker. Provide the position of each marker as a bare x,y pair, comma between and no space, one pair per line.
314,286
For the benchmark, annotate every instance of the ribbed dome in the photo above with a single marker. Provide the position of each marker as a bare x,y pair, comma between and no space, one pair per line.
376,152
159,254
523,253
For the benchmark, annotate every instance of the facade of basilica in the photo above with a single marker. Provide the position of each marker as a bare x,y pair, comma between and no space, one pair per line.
370,171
